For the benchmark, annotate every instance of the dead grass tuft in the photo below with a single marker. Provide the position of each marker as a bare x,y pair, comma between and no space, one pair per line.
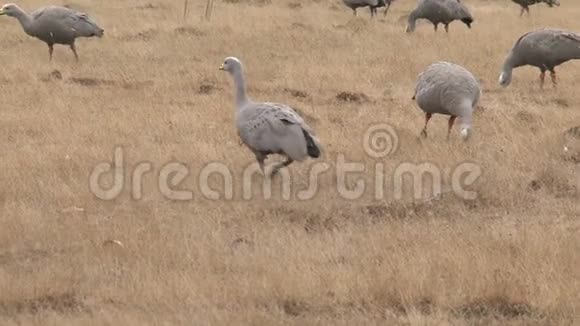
352,97
497,307
296,93
63,303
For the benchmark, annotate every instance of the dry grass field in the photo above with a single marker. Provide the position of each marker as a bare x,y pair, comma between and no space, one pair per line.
151,86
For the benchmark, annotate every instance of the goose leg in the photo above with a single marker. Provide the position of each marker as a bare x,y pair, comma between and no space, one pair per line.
427,118
74,50
50,50
354,11
450,125
387,9
522,12
542,77
260,158
281,165
435,26
553,76
528,11
447,28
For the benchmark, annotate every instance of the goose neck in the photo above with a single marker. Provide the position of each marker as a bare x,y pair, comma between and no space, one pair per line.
24,19
240,84
510,63
411,21
465,119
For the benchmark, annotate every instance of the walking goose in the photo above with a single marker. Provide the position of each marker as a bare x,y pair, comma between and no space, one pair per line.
270,128
54,25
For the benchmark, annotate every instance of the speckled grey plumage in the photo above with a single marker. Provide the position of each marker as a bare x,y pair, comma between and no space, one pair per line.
449,89
270,128
439,12
545,49
525,4
54,25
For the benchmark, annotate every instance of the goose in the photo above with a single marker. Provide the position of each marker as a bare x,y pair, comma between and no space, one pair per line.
269,128
372,4
545,49
439,12
526,3
54,25
383,3
449,89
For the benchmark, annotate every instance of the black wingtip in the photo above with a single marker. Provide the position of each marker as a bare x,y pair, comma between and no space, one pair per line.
311,148
313,152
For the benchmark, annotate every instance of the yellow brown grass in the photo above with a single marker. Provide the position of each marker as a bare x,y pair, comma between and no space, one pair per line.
151,85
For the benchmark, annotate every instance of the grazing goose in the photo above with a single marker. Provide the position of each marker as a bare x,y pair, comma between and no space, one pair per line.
526,3
439,12
382,3
270,128
449,89
54,25
372,4
544,48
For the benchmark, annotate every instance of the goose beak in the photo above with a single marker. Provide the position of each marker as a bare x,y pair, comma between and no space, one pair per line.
221,67
501,80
